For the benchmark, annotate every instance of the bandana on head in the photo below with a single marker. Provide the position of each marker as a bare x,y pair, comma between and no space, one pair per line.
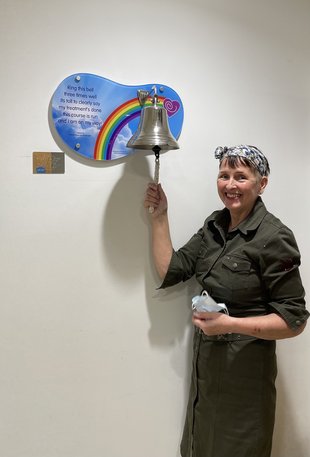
251,153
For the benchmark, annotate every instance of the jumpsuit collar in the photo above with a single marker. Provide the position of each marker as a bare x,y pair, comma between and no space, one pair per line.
222,218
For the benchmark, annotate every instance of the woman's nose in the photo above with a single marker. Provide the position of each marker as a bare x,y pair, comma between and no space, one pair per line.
231,183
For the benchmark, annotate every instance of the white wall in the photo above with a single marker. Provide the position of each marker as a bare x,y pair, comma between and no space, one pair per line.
94,360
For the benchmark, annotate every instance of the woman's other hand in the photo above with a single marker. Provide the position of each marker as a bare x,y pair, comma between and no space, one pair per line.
212,323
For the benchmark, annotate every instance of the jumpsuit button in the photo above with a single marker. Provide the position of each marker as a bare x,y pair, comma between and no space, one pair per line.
235,265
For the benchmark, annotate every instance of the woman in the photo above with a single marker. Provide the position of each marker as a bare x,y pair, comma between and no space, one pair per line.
245,257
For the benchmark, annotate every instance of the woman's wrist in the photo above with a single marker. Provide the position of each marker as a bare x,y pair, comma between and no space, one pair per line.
160,219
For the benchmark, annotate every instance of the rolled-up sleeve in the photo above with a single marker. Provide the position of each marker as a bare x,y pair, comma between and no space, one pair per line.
183,262
281,276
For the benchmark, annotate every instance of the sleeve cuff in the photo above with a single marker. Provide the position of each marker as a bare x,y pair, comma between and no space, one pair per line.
294,318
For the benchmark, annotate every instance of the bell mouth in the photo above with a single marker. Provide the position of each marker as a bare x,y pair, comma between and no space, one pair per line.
150,144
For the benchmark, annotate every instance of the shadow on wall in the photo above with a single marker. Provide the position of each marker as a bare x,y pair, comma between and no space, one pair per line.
124,237
285,433
127,248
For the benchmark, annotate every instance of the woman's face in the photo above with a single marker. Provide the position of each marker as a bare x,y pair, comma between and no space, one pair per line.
239,187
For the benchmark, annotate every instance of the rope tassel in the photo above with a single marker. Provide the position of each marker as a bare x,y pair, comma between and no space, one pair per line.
156,150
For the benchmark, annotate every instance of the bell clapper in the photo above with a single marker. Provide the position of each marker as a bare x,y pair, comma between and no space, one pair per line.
156,150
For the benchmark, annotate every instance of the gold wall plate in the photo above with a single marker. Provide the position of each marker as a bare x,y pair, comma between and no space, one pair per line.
48,162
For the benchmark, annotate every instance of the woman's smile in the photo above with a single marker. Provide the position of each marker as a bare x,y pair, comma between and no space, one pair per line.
230,195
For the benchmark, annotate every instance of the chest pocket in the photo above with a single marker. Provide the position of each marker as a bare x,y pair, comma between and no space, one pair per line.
236,271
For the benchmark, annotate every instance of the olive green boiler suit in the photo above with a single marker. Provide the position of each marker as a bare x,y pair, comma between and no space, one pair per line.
254,271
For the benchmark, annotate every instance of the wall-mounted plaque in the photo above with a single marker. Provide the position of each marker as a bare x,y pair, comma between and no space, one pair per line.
95,117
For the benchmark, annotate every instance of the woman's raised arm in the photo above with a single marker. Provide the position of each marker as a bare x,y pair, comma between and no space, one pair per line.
161,242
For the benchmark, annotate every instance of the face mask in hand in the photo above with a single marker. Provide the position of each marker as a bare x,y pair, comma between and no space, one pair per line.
204,302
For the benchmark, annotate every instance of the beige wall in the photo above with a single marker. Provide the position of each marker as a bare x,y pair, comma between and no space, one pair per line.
94,360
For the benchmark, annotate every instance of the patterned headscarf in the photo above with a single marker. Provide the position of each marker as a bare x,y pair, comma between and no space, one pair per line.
251,153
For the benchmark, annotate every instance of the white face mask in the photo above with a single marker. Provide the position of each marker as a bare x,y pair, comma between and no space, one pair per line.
204,303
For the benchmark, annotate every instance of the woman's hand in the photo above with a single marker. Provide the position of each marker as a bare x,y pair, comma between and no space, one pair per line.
155,198
212,323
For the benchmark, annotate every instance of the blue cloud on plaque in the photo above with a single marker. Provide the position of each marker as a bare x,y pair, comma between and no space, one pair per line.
96,117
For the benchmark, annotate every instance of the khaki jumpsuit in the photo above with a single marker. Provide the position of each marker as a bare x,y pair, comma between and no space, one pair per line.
254,271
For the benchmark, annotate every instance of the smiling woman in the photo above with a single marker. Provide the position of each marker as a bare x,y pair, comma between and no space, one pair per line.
245,257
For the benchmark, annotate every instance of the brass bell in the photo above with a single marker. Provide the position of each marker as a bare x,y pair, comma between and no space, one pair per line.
153,130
